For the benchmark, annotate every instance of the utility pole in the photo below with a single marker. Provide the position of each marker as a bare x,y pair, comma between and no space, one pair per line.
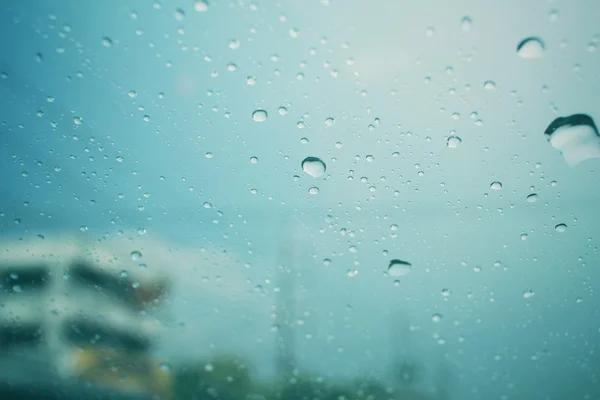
286,303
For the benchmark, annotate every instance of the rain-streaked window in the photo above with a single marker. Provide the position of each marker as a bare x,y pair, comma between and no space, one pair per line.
308,200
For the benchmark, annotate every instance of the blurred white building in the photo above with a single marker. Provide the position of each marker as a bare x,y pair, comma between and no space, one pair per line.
80,310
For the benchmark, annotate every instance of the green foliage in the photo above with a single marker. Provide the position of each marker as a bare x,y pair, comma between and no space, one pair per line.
223,378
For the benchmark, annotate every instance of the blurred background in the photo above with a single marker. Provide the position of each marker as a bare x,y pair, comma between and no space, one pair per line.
326,199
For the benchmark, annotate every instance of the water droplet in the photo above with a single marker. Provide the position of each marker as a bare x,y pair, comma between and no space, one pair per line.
524,236
201,5
528,294
489,85
123,274
253,160
282,111
313,190
453,142
329,121
399,268
326,262
119,159
465,23
294,32
313,166
532,198
259,116
560,228
107,42
576,137
208,155
136,255
77,121
531,47
351,273
251,80
132,94
303,140
179,14
446,292
165,366
496,185
436,317
393,227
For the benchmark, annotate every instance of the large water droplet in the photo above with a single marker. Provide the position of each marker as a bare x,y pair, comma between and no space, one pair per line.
489,85
532,198
576,137
313,166
561,228
136,255
453,142
496,185
259,116
399,268
531,47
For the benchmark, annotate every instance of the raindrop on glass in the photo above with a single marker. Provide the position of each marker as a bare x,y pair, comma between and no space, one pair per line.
201,5
106,42
399,268
496,185
576,137
465,24
531,47
136,255
489,85
560,228
165,366
453,142
528,294
259,116
532,198
179,14
313,166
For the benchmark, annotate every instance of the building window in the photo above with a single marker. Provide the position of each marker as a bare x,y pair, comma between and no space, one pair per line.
86,333
24,279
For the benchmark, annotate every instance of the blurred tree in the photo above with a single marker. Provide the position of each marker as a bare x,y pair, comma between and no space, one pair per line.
230,378
224,378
